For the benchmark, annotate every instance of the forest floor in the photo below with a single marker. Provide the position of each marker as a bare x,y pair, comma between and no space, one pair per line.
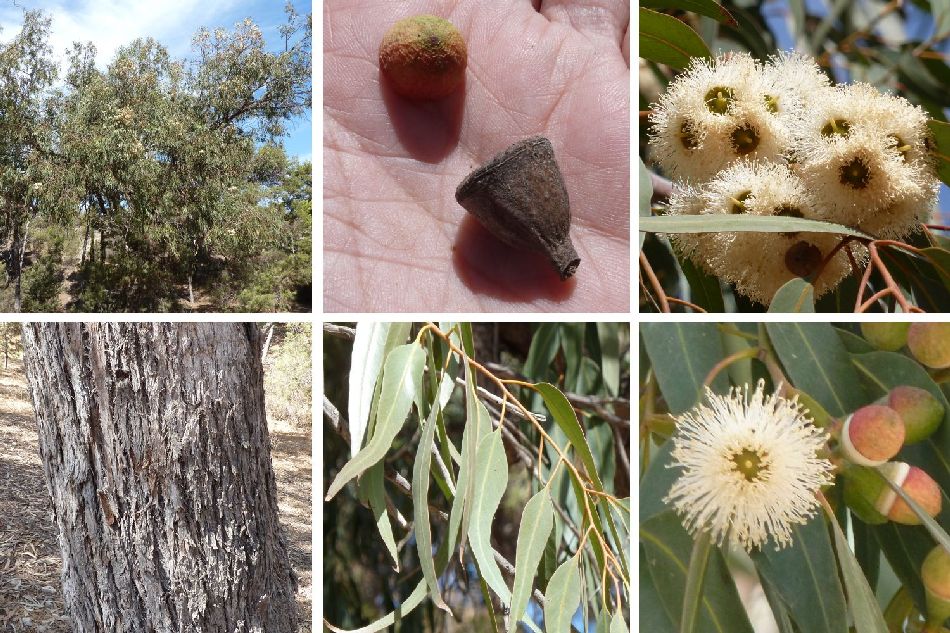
30,595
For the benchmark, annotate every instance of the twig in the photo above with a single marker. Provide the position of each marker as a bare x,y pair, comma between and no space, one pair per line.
657,286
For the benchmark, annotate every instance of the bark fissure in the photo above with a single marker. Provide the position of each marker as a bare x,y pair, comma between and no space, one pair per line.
156,451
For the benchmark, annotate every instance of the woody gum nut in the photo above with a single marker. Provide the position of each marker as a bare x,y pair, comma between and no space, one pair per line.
889,337
872,435
424,57
921,412
929,343
935,572
917,484
520,197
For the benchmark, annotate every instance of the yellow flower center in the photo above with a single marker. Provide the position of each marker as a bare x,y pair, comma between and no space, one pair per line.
744,140
718,99
750,464
836,127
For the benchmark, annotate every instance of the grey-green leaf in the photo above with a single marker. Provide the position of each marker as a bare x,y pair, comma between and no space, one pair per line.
817,362
491,479
682,355
420,508
414,600
720,223
537,520
563,597
371,484
401,373
796,295
618,624
862,604
373,341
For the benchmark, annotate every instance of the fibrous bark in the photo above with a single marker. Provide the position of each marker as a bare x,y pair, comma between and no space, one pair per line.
155,445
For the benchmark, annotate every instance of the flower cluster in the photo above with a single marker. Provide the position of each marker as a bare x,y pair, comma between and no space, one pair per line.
739,136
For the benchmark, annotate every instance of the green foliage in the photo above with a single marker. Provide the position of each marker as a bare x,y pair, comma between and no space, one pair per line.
827,579
477,494
288,378
172,168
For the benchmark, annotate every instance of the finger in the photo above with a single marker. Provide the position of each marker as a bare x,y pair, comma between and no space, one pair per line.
594,18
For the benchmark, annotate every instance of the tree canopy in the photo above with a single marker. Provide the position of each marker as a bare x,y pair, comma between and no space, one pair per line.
155,183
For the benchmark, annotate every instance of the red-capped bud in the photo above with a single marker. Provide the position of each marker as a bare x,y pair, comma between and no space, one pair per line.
886,336
875,502
872,435
930,344
935,572
921,412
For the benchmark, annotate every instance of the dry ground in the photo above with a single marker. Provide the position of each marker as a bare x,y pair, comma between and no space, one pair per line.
30,597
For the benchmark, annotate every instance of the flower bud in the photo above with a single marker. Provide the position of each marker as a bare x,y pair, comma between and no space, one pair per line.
889,337
930,344
872,435
935,572
874,502
921,412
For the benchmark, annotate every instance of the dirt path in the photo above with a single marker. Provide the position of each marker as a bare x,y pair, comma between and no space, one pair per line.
30,595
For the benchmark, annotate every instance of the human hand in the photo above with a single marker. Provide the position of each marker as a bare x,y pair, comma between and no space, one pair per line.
395,239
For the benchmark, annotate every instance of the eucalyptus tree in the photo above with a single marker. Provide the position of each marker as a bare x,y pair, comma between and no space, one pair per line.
27,73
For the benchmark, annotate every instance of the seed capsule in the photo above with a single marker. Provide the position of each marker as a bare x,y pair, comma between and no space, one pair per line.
519,196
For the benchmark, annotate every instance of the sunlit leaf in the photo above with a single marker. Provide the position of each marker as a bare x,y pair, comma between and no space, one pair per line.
562,597
666,40
537,520
491,480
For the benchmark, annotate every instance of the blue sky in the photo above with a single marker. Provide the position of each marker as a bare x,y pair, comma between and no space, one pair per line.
111,23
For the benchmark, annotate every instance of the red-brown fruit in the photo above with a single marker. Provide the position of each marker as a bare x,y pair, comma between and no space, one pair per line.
921,488
423,57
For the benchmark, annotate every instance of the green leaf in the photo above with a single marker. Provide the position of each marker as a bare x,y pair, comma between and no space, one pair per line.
816,362
695,576
402,372
721,223
804,575
646,195
414,600
544,347
704,289
940,132
373,341
703,7
491,479
562,598
682,355
657,482
667,547
618,624
940,258
666,40
608,334
862,605
796,295
420,507
372,486
905,547
881,372
537,520
653,615
564,416
477,426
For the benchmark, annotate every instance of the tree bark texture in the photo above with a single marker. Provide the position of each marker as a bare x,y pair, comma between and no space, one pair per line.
155,445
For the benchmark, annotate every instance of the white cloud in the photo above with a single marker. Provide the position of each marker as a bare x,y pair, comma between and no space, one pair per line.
110,24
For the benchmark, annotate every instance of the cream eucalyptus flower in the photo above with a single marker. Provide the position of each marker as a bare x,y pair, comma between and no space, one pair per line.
750,468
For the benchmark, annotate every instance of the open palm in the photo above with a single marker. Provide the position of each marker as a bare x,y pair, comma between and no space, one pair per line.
394,237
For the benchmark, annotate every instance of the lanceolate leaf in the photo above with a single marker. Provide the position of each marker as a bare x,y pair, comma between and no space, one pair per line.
709,8
721,223
861,601
491,479
372,486
401,373
373,341
420,508
806,578
563,597
414,600
666,40
682,355
796,295
477,426
618,624
536,523
941,136
817,362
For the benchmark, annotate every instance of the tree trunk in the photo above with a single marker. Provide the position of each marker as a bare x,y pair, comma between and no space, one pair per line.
155,445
